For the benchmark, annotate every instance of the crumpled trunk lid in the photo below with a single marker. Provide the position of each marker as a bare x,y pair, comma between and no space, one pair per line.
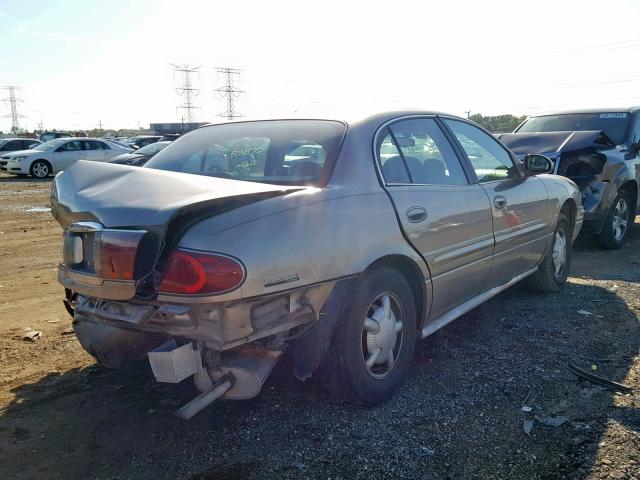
132,197
119,221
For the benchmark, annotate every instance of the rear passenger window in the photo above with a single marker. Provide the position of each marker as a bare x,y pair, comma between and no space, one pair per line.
416,151
95,145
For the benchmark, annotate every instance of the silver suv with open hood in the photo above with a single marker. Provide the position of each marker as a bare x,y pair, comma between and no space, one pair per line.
341,242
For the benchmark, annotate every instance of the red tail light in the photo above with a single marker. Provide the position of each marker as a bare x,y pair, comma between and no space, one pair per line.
195,272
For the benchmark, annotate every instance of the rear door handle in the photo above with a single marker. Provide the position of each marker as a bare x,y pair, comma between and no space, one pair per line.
499,202
416,214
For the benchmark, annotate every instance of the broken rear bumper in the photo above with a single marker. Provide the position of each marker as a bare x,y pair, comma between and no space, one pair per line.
119,334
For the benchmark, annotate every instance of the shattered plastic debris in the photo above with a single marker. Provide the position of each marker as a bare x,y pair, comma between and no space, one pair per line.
552,421
526,408
32,335
39,209
584,312
527,426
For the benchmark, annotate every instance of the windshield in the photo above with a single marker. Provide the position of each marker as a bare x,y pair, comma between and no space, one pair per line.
50,145
613,124
267,151
151,148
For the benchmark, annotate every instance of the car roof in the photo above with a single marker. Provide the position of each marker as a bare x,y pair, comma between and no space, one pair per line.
348,118
591,110
19,138
71,139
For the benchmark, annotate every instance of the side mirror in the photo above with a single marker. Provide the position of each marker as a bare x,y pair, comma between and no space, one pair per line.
536,163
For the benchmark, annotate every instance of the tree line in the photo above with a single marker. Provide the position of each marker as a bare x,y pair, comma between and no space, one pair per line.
498,123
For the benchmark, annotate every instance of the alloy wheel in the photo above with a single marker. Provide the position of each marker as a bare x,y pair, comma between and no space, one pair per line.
40,169
620,219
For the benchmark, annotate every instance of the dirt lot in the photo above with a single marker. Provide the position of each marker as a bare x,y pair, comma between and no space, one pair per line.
458,416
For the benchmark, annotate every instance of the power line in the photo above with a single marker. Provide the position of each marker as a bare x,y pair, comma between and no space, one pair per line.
622,45
13,101
229,92
187,90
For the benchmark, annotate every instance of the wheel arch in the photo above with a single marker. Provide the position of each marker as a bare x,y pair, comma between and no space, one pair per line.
570,208
631,187
415,278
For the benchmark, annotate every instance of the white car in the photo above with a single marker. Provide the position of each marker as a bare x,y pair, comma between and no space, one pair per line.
13,144
56,155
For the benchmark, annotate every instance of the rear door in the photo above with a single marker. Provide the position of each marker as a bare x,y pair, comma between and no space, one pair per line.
98,151
67,154
519,204
446,217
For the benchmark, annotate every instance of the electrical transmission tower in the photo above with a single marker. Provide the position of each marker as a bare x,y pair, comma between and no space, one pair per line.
187,90
229,92
13,101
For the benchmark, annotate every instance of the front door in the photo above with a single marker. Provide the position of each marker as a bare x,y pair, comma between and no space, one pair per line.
519,204
445,217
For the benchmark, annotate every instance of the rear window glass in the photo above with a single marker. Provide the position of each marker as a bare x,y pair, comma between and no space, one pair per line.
287,152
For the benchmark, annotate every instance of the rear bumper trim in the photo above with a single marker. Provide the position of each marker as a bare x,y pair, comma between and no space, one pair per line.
93,286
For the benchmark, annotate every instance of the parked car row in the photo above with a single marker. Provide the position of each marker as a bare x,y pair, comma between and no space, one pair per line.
32,157
340,242
53,156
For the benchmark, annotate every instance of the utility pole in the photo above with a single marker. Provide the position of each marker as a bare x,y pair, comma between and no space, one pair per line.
229,92
13,101
187,90
468,112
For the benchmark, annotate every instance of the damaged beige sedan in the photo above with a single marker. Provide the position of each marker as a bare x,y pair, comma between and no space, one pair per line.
341,242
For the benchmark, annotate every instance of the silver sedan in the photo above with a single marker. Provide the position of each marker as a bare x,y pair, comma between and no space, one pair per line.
343,242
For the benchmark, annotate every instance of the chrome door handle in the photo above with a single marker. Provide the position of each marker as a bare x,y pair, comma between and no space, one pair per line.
499,202
416,214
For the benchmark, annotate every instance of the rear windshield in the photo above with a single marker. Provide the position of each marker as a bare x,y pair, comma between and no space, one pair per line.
286,152
614,124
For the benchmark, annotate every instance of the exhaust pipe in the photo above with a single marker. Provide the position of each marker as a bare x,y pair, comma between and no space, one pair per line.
239,375
205,399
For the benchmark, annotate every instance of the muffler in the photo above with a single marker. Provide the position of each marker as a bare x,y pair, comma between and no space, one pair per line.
239,374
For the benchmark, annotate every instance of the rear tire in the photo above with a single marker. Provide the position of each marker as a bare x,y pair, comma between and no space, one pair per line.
618,223
554,268
371,351
40,169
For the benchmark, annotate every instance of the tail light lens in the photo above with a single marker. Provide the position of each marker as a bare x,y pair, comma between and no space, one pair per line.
190,272
118,250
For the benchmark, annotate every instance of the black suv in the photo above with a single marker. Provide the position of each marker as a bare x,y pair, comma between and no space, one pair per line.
599,150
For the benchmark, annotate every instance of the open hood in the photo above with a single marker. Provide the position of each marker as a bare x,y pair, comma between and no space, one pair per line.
554,143
121,196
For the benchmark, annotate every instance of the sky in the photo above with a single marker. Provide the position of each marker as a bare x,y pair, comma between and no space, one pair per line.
81,64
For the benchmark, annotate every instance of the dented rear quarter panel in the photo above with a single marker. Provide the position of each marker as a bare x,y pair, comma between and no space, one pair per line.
315,234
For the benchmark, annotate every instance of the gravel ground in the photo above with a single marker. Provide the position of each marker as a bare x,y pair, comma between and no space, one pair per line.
459,415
